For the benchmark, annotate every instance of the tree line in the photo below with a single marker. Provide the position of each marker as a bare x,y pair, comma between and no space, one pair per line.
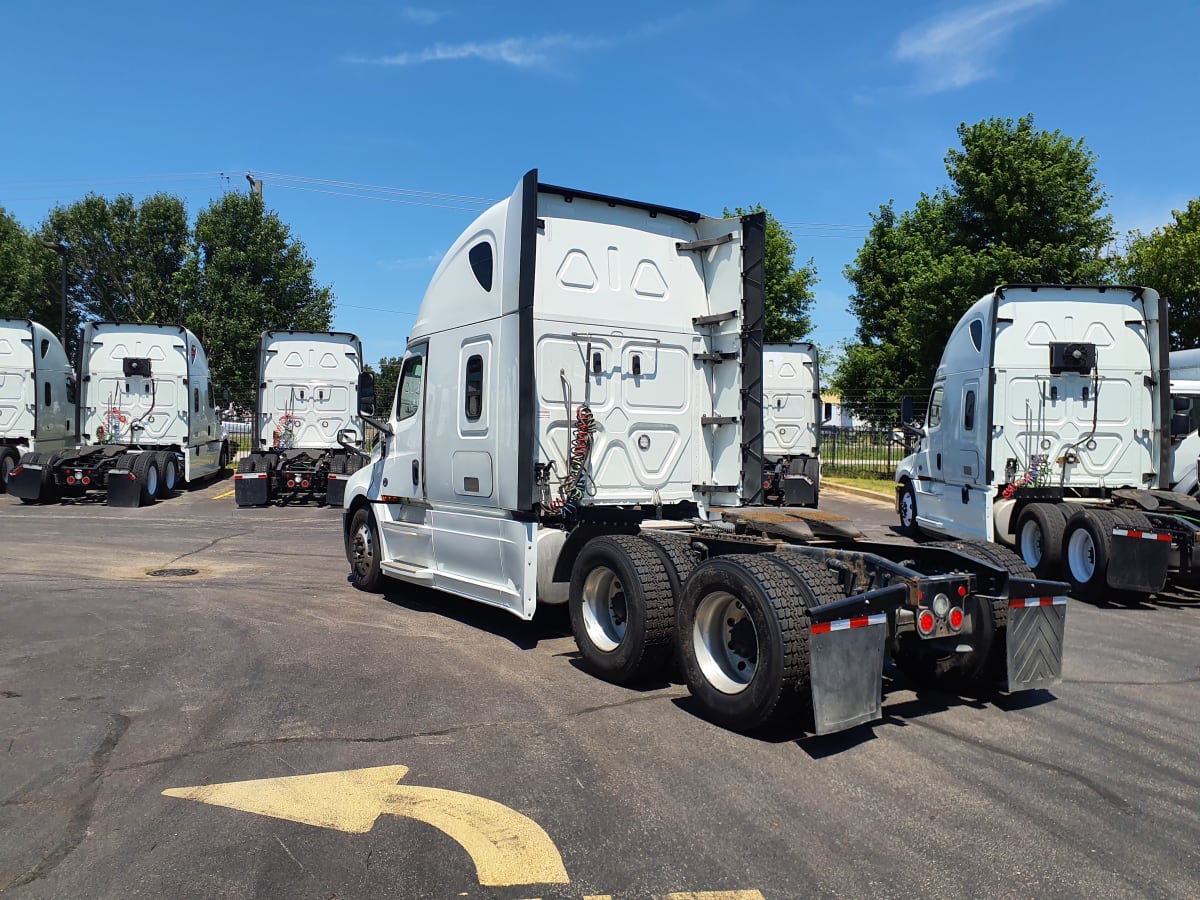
234,273
1021,205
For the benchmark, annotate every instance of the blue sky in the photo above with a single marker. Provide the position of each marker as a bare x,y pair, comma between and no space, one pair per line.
819,112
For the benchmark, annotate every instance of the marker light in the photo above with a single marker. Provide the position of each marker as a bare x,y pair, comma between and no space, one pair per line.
925,622
962,590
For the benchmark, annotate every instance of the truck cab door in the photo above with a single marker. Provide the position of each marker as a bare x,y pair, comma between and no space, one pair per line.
931,462
404,471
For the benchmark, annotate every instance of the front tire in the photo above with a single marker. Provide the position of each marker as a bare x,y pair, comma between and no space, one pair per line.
364,551
622,608
908,510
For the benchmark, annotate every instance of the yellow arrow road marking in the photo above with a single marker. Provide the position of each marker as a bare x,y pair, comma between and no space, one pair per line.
506,847
228,493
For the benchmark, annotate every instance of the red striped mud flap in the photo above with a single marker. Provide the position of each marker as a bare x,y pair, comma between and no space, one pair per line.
1138,560
25,481
251,488
846,671
1035,642
335,490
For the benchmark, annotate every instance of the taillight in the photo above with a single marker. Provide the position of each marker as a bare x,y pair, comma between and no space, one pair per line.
956,618
291,482
86,480
70,479
926,622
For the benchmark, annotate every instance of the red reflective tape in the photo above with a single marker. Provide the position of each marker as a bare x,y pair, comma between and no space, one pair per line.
1029,602
844,624
1144,535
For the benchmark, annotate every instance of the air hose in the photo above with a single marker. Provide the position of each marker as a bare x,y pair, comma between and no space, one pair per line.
571,488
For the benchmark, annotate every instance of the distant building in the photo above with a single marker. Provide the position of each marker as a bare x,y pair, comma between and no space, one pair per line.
834,415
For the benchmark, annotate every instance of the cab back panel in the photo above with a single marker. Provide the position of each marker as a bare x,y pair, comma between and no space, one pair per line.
113,402
789,410
308,389
1106,418
17,388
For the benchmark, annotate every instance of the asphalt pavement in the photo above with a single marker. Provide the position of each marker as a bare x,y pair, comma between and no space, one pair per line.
455,751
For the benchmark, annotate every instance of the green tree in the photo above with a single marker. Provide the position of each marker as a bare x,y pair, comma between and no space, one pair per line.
17,269
385,384
248,275
1022,205
125,258
1168,260
787,290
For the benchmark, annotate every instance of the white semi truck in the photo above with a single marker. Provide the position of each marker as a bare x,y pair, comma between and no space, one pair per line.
37,394
307,428
792,423
147,420
1185,420
1048,430
579,420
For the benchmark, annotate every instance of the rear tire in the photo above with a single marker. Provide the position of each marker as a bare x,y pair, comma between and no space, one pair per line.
1087,548
145,467
8,460
1040,529
677,554
364,551
743,639
168,474
622,608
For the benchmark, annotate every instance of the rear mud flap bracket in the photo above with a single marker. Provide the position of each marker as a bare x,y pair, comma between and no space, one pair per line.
1035,642
846,672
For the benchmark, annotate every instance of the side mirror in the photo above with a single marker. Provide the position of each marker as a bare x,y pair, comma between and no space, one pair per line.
226,396
1181,404
366,394
1180,424
906,410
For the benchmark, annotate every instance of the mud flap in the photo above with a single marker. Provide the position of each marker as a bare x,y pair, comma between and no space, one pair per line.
335,491
1035,642
1138,560
124,488
251,489
25,481
846,672
799,490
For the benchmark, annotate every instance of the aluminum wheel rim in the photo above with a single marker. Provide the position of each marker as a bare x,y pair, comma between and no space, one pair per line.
1031,543
605,609
6,467
152,480
1081,555
364,549
907,512
169,475
725,642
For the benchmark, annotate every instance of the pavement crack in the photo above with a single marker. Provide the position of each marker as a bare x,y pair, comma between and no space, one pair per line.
1091,784
393,738
85,801
207,546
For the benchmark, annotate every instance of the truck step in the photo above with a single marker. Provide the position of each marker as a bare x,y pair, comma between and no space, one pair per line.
405,572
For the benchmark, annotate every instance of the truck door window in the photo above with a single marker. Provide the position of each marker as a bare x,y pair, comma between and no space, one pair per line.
969,411
474,388
410,387
935,407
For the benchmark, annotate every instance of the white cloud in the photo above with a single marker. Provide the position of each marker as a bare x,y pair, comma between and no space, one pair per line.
524,53
958,48
422,16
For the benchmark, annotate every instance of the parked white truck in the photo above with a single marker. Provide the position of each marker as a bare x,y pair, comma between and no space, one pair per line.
147,419
579,420
792,423
306,419
1185,420
37,394
1048,431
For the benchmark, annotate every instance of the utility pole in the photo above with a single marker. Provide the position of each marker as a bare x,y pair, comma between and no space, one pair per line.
255,186
61,249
